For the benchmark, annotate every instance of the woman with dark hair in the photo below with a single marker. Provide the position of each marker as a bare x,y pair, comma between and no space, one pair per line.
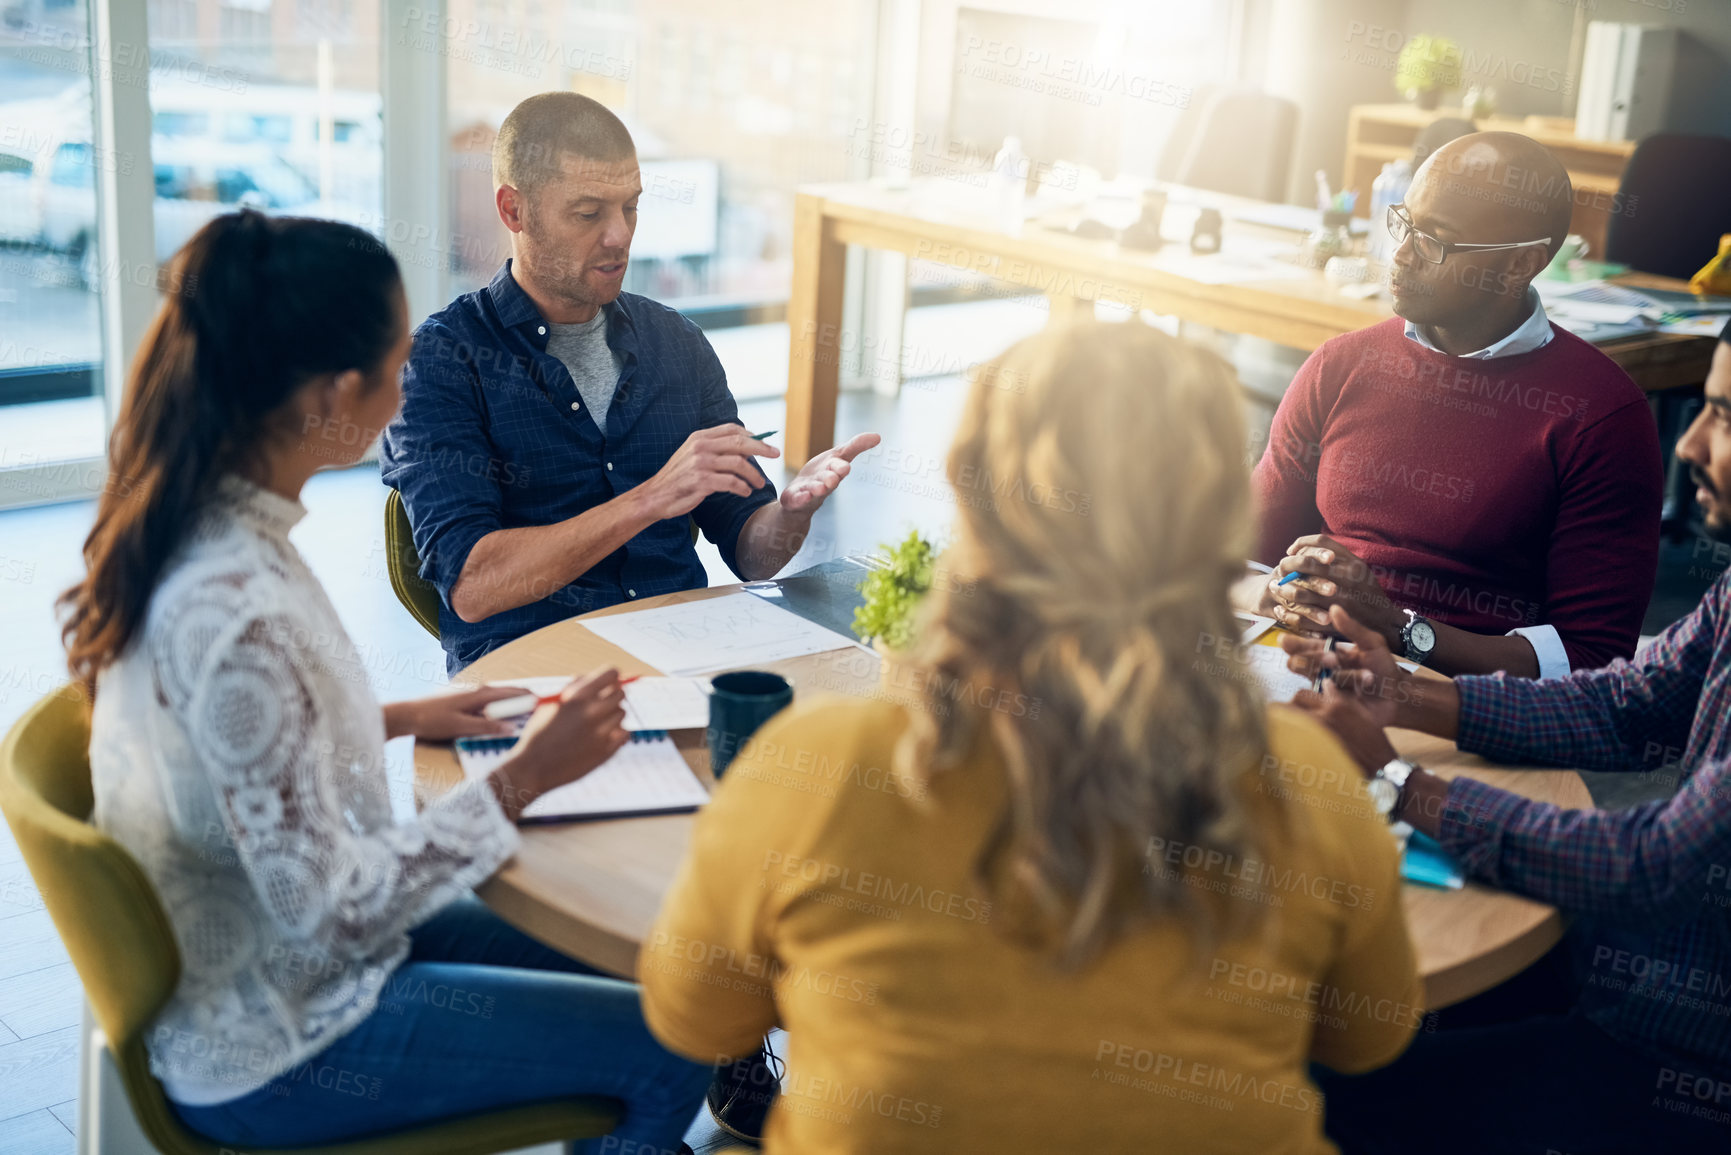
337,977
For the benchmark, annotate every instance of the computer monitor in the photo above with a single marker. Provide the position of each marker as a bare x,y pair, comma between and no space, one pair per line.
1040,79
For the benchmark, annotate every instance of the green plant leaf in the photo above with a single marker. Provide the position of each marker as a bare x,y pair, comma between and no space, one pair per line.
894,593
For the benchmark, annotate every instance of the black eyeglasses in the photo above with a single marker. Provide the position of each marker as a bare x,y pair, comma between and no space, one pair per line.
1430,248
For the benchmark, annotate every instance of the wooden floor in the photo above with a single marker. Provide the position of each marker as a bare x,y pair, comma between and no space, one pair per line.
898,487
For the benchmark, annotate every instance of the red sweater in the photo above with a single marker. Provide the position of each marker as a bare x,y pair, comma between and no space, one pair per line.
1488,494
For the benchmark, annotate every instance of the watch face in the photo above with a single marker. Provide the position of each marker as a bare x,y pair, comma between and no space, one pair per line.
1383,795
1423,637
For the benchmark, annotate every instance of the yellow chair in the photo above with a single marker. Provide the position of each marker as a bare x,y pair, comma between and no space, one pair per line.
418,595
120,941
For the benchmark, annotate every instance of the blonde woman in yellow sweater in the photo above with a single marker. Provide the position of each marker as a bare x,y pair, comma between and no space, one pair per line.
1087,894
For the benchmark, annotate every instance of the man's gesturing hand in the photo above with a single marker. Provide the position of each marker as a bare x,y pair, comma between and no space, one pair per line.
1365,671
1360,697
713,460
823,473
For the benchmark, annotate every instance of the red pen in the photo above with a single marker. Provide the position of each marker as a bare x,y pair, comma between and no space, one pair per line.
547,699
552,698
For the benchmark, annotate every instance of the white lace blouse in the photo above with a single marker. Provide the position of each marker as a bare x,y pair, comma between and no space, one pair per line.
237,752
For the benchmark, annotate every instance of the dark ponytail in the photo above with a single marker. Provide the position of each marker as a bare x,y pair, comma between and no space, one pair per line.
260,306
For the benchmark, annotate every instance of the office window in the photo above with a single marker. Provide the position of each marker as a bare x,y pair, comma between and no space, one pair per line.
731,110
237,116
180,123
328,17
173,21
51,408
240,127
342,131
245,21
1077,81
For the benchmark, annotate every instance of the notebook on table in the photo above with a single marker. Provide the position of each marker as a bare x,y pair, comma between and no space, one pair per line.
647,776
1424,861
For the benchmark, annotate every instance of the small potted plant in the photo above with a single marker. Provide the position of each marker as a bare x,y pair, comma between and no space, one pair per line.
1428,67
893,593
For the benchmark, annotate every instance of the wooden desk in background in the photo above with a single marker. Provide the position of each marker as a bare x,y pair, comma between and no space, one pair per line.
592,889
934,220
1379,133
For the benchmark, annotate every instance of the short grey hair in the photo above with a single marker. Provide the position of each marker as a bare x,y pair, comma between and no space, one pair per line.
547,127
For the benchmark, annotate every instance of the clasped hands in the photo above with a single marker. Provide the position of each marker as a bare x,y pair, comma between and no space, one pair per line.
1337,595
1331,575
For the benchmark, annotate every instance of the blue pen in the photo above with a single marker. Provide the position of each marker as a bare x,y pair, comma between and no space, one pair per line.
1289,578
1323,673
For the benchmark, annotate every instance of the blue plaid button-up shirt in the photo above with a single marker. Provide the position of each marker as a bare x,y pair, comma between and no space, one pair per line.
1653,882
493,434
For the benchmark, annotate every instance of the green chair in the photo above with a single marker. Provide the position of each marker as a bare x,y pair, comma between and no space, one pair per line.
418,595
120,941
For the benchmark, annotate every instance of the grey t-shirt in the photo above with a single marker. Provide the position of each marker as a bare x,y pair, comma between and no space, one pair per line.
592,365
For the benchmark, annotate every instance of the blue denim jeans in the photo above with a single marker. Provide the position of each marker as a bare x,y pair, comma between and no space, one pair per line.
480,1016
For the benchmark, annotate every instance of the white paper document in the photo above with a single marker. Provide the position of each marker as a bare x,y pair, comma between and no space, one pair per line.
646,776
1254,627
1267,664
723,633
1556,294
650,703
667,704
1598,312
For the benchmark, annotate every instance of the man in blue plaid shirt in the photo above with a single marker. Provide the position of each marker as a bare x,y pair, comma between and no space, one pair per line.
1643,1061
559,439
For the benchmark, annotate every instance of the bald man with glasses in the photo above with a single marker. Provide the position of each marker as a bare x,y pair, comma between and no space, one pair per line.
1476,484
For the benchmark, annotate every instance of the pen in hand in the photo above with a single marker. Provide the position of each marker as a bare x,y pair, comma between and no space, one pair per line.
513,707
1323,673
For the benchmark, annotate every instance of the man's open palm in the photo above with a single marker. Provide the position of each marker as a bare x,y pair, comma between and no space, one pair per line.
823,473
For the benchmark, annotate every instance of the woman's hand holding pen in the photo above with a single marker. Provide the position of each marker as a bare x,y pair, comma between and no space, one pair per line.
445,716
563,741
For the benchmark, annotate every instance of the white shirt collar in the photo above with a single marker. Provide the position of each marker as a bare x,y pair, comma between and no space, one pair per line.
1533,333
271,512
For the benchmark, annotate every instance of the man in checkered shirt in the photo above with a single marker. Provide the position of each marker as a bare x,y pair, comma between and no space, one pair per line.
1642,1062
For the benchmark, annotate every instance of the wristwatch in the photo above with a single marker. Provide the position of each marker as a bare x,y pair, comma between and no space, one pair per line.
1386,784
1418,636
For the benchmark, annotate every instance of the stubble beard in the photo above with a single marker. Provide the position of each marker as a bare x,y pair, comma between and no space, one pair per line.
558,275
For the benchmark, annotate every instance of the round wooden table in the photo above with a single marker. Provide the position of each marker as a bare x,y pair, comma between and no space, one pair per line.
592,889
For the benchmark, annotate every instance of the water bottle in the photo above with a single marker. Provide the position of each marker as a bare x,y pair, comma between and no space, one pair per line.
1381,196
1402,181
1009,184
1399,174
